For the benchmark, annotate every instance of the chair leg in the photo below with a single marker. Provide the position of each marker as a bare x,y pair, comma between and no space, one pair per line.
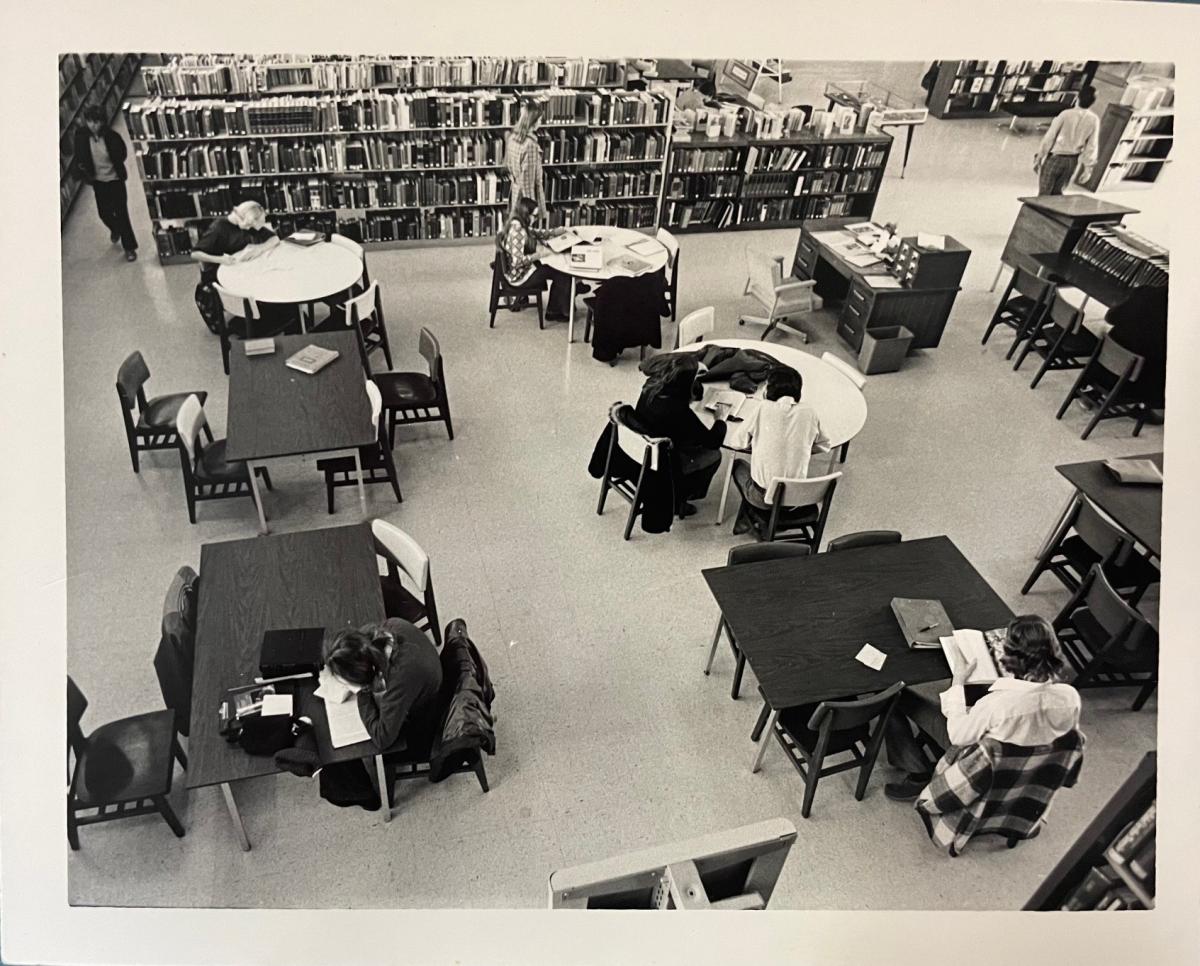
72,828
712,651
265,477
736,689
810,785
1144,694
207,431
604,484
761,723
177,751
1013,841
387,348
480,773
541,312
845,450
329,491
446,415
191,504
168,814
1038,570
133,455
1099,415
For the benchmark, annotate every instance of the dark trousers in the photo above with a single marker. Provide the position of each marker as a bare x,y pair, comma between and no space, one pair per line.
697,467
1056,173
559,302
113,208
919,706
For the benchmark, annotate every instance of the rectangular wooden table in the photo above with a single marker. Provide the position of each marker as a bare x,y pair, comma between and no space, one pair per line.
801,621
276,411
318,578
1137,509
1093,283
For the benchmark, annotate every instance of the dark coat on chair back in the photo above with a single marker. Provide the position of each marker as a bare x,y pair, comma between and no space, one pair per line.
658,494
177,647
467,725
628,313
1139,324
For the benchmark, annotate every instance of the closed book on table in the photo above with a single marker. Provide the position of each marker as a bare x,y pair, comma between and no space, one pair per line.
259,347
291,651
1145,472
922,622
311,359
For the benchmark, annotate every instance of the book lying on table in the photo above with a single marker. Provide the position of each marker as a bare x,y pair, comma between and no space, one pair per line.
647,247
311,359
729,399
922,622
586,257
1134,471
305,237
982,647
259,347
560,243
630,263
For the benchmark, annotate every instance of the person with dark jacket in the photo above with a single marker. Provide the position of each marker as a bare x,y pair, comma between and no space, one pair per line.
664,408
468,727
238,236
1139,324
99,159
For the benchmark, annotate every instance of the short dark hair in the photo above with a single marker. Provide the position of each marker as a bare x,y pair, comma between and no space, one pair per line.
784,381
1087,95
93,113
356,655
1032,651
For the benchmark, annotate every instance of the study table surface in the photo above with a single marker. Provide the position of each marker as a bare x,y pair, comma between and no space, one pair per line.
291,274
1137,508
801,621
317,578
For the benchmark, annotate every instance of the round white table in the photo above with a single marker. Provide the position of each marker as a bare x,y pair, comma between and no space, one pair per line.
839,403
293,274
614,244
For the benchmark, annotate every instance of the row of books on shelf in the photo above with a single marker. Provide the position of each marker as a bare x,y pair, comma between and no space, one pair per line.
1013,67
1140,171
1125,879
815,156
1152,126
635,183
773,184
690,214
721,213
723,185
1123,254
1150,150
238,74
1149,97
705,159
601,147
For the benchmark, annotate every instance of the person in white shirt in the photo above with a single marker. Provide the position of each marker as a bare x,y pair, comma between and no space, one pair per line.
1032,707
1070,144
783,434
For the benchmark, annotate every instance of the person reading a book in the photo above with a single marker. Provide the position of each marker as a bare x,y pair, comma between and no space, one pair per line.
1026,704
783,433
521,248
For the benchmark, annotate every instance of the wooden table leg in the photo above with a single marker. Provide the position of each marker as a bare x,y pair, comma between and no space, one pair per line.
999,271
767,737
1053,535
381,775
362,490
725,489
258,505
571,314
238,828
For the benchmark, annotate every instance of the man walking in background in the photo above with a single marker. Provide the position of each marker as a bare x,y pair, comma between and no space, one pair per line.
100,160
1070,144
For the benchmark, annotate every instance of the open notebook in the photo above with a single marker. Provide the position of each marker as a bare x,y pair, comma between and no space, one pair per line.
341,709
984,647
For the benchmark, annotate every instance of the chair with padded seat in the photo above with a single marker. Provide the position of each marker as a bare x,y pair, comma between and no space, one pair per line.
782,298
149,423
414,397
376,459
1061,340
243,320
505,295
863,538
207,475
649,453
747,553
1087,539
1109,382
122,769
809,734
1107,641
407,586
695,326
1020,307
671,244
363,313
796,511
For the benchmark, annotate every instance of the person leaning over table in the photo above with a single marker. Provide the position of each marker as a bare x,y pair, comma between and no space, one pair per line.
1071,144
1032,707
522,249
99,159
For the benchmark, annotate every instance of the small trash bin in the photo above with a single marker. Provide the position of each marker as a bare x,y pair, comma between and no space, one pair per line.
884,349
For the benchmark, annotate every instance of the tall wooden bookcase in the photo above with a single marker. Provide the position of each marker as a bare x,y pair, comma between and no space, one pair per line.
83,80
1134,147
978,88
393,151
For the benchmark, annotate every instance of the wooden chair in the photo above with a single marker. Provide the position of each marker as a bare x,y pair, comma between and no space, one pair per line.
671,244
1088,539
748,553
504,294
649,452
782,299
1061,340
355,249
1020,307
407,567
1107,642
864,538
1109,382
376,460
798,509
694,326
413,397
149,423
809,735
122,769
206,473
364,314
241,317
855,377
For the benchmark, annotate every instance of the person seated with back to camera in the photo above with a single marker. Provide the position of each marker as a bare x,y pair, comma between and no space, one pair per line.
522,249
1032,707
783,434
664,408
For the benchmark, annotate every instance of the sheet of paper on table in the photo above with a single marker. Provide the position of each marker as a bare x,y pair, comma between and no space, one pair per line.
862,259
560,243
647,247
936,243
832,238
345,723
276,704
871,656
883,281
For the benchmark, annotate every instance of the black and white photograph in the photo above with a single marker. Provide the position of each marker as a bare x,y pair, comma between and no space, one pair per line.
581,474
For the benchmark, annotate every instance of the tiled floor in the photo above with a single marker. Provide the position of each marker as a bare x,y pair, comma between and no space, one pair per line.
609,735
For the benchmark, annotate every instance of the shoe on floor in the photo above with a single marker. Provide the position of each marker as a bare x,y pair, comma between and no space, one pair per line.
555,317
687,510
582,288
518,303
907,790
131,256
456,628
114,237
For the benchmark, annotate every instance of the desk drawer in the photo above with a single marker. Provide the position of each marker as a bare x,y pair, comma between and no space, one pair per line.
851,322
806,257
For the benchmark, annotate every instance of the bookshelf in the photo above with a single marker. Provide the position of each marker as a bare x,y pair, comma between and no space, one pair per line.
1111,866
389,152
740,182
1134,145
979,88
85,79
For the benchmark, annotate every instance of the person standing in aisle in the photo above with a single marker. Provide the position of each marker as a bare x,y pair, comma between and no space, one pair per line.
1069,146
100,154
523,158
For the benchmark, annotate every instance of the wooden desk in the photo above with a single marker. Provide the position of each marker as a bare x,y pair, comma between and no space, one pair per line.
923,309
317,578
800,621
1136,509
1053,223
1095,284
275,411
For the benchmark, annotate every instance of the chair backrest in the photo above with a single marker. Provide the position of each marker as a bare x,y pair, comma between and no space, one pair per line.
1111,612
1029,284
1118,360
1063,314
864,538
376,399
802,492
132,375
349,244
428,346
402,550
696,325
844,368
671,244
633,442
761,272
843,715
362,307
1106,538
757,552
187,425
237,305
76,706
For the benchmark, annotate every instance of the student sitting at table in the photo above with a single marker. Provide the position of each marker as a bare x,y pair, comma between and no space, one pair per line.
520,249
783,434
1030,708
664,407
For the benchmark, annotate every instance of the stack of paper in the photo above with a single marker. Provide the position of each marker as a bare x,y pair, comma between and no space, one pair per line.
936,243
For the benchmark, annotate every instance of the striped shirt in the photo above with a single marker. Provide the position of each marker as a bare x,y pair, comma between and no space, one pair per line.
518,265
524,162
